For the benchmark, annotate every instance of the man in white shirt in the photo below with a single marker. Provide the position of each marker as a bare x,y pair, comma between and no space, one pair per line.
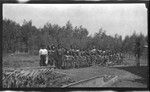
43,56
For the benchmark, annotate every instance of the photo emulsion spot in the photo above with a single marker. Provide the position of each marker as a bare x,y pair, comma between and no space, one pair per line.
75,45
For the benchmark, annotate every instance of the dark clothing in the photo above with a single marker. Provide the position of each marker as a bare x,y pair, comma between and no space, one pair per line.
42,60
57,55
51,60
58,59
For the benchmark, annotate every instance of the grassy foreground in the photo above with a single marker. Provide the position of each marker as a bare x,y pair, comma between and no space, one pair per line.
20,60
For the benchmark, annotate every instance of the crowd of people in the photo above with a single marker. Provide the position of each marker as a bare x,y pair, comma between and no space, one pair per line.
62,58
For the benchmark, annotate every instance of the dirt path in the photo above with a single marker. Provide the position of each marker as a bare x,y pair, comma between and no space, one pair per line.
124,76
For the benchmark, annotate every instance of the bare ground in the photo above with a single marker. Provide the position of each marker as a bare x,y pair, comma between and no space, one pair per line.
127,76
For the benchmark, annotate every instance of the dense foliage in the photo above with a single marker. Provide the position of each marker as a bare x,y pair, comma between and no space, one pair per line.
28,38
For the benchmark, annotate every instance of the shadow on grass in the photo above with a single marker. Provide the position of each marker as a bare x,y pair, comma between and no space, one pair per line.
142,71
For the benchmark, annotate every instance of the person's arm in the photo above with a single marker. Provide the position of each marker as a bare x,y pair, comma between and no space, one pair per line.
46,57
40,52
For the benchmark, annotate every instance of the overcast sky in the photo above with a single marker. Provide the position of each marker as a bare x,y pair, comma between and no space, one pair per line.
122,19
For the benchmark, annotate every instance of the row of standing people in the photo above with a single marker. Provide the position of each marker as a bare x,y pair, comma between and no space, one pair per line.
50,56
62,58
90,58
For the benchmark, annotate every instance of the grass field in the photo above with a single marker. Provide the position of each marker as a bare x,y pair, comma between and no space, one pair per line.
20,60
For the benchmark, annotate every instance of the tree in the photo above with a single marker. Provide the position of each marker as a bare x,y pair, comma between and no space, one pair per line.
11,35
29,34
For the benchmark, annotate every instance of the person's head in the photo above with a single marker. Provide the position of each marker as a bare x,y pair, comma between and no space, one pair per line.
48,47
43,46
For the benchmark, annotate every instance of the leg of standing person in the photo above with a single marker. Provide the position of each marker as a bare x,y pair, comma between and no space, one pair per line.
56,61
59,61
44,59
40,60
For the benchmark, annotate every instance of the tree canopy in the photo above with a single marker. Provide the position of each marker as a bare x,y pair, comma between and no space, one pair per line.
27,38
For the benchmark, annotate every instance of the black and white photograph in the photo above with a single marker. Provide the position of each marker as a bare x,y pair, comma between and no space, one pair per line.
75,45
